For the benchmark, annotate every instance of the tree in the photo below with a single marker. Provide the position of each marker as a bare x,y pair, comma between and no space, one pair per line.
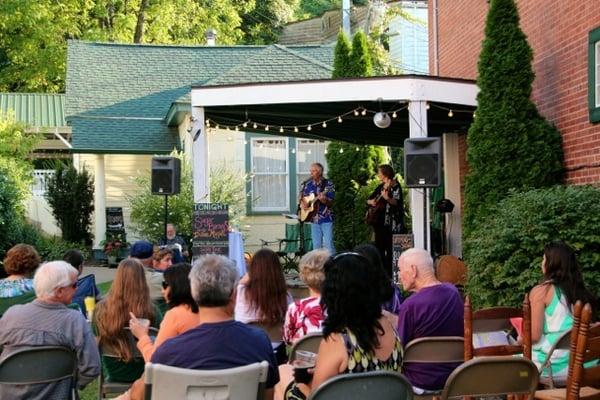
70,194
351,167
16,145
510,146
264,23
10,216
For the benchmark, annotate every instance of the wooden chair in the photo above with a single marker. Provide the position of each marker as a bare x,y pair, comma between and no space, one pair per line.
583,382
40,365
380,385
434,350
308,342
496,319
492,376
241,383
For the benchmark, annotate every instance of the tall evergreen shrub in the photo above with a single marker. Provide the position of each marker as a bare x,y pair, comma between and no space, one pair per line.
510,146
70,194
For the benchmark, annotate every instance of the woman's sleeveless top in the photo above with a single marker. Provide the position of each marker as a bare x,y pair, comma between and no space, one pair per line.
361,361
557,320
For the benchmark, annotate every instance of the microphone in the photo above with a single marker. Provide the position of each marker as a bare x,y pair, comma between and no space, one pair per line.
306,181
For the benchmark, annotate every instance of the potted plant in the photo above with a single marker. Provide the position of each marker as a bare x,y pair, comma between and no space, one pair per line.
114,243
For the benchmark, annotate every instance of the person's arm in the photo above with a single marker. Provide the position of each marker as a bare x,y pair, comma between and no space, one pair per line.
332,359
392,195
405,325
88,358
289,324
168,329
537,298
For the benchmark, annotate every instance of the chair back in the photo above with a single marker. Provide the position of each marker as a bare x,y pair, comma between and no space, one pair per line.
86,286
435,350
587,350
291,243
7,302
380,385
308,342
550,381
492,376
496,319
452,270
42,364
241,383
274,331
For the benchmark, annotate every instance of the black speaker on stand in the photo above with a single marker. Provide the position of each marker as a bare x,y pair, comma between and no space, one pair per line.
423,169
166,180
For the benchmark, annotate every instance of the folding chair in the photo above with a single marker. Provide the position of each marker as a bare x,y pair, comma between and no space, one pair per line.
448,350
111,388
562,344
7,302
492,376
308,342
38,365
289,247
492,320
241,383
380,385
275,334
86,286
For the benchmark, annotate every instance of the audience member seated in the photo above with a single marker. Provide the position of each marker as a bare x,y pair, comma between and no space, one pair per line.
20,263
218,342
144,252
305,316
357,337
552,303
128,293
390,292
434,309
182,315
86,286
262,293
48,322
175,242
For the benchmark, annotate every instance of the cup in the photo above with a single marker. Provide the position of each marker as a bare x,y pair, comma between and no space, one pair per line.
90,303
144,322
303,361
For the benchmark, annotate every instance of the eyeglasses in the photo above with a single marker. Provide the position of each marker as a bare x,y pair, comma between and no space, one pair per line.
165,284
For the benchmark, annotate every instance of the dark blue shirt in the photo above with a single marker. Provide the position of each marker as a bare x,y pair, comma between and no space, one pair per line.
219,345
324,214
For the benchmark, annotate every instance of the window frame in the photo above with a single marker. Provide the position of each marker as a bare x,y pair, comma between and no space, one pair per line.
594,74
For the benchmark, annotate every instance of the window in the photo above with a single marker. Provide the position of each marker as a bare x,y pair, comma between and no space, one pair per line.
594,75
309,151
269,174
277,167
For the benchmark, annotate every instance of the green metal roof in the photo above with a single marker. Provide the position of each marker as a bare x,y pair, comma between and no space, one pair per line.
44,110
116,84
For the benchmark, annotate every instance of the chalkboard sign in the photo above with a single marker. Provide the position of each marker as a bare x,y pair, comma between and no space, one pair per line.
211,229
400,243
114,219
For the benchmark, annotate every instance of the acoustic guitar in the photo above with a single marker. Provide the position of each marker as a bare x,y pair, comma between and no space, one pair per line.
312,202
374,212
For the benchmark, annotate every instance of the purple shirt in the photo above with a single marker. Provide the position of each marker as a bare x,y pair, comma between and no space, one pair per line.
432,311
219,345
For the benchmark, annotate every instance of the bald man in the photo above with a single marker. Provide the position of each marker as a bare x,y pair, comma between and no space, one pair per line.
433,309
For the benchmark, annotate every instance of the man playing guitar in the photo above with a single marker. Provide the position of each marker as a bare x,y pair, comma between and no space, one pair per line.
387,198
317,195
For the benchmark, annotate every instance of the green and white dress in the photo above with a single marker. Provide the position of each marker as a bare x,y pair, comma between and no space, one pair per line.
557,320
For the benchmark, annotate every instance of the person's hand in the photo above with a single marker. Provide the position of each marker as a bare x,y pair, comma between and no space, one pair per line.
245,279
137,329
385,195
372,202
304,377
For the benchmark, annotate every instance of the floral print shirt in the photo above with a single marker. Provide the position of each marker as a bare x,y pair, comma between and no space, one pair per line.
303,317
16,287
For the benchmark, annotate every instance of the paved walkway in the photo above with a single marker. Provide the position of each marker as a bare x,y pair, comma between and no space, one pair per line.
103,274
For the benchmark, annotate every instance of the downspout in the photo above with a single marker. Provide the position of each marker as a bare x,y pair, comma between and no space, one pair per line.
434,17
346,17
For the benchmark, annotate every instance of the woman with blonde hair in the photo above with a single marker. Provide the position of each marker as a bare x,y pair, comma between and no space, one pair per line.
129,293
305,316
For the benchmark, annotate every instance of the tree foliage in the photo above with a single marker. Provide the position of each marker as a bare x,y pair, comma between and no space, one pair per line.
148,210
263,24
510,146
70,194
505,250
341,56
10,216
360,58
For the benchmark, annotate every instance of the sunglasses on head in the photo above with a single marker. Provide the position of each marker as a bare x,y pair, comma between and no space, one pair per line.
348,253
165,284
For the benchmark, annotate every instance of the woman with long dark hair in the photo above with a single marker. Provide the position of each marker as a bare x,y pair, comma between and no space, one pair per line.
357,337
262,293
552,303
181,316
128,293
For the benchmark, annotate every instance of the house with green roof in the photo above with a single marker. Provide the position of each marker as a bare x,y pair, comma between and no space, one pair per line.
128,102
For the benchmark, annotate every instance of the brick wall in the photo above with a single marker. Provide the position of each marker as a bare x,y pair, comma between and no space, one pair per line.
557,30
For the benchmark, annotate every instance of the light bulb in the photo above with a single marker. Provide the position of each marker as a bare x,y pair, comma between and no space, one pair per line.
357,149
293,151
267,128
226,128
474,114
254,125
309,128
245,124
237,128
325,152
341,150
281,130
363,112
356,113
340,120
295,129
217,126
245,142
394,115
229,139
427,106
324,124
207,122
450,114
309,151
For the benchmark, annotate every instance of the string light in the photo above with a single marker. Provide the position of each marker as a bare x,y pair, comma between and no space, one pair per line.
474,114
245,124
281,130
309,128
254,125
324,125
356,113
394,114
309,151
450,114
341,150
295,129
217,127
357,149
325,152
293,151
339,120
237,129
207,122
363,112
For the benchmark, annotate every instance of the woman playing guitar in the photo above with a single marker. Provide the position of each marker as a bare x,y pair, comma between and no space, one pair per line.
386,214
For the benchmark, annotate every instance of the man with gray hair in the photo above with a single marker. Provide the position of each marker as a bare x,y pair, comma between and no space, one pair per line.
434,309
218,342
48,322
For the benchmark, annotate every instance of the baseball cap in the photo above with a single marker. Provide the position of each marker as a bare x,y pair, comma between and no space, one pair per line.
142,249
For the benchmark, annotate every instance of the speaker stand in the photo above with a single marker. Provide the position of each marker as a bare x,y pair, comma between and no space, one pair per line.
166,216
425,209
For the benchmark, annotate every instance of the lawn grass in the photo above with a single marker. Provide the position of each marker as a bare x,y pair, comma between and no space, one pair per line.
104,286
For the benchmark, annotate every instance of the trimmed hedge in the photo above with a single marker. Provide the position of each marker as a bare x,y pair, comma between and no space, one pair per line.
505,251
